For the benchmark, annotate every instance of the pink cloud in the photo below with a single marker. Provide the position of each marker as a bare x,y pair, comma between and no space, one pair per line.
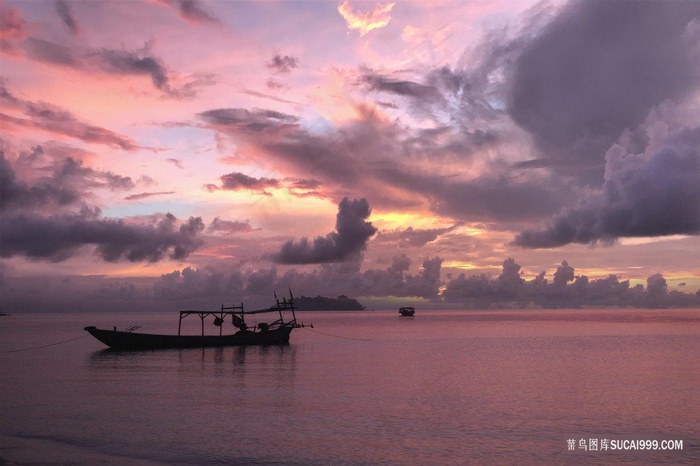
53,119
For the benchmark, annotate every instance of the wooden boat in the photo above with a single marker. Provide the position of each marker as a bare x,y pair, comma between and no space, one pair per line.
274,333
407,311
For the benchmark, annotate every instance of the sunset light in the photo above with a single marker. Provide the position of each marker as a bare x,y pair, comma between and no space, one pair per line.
349,232
143,138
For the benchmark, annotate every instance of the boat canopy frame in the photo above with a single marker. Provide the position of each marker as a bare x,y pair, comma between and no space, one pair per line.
238,316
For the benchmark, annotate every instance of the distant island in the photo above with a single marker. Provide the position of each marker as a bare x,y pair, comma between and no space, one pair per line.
321,303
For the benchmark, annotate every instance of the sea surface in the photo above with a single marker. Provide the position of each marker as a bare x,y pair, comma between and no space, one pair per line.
359,388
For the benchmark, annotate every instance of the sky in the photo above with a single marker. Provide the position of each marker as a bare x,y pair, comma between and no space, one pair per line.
164,154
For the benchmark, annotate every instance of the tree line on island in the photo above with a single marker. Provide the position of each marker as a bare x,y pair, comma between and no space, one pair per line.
322,303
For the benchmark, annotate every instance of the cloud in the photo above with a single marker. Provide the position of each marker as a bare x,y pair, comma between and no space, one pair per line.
48,117
654,193
119,62
410,237
282,63
240,181
45,218
66,181
378,82
301,187
191,11
139,196
349,239
597,69
563,275
51,52
126,62
176,162
456,98
273,85
397,281
510,290
390,163
489,198
367,21
56,238
345,158
63,9
12,26
249,122
346,278
228,227
15,194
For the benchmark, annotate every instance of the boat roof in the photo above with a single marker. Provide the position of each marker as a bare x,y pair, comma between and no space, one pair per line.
238,311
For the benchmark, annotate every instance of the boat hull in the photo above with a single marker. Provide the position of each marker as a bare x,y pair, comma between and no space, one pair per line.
147,341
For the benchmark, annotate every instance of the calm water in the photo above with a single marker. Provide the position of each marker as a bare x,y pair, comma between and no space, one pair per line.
499,387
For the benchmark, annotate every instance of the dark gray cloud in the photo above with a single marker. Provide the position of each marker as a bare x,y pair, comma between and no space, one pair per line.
642,196
242,121
656,285
192,11
509,289
46,218
128,62
328,158
200,287
64,11
48,117
239,181
397,281
352,231
489,198
65,181
15,194
72,171
597,69
485,198
261,281
56,238
370,155
381,83
207,287
575,86
283,63
563,275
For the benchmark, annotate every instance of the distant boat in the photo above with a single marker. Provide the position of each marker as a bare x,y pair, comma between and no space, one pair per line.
274,333
407,311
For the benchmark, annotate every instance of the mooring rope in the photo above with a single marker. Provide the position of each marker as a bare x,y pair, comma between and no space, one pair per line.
335,336
46,346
